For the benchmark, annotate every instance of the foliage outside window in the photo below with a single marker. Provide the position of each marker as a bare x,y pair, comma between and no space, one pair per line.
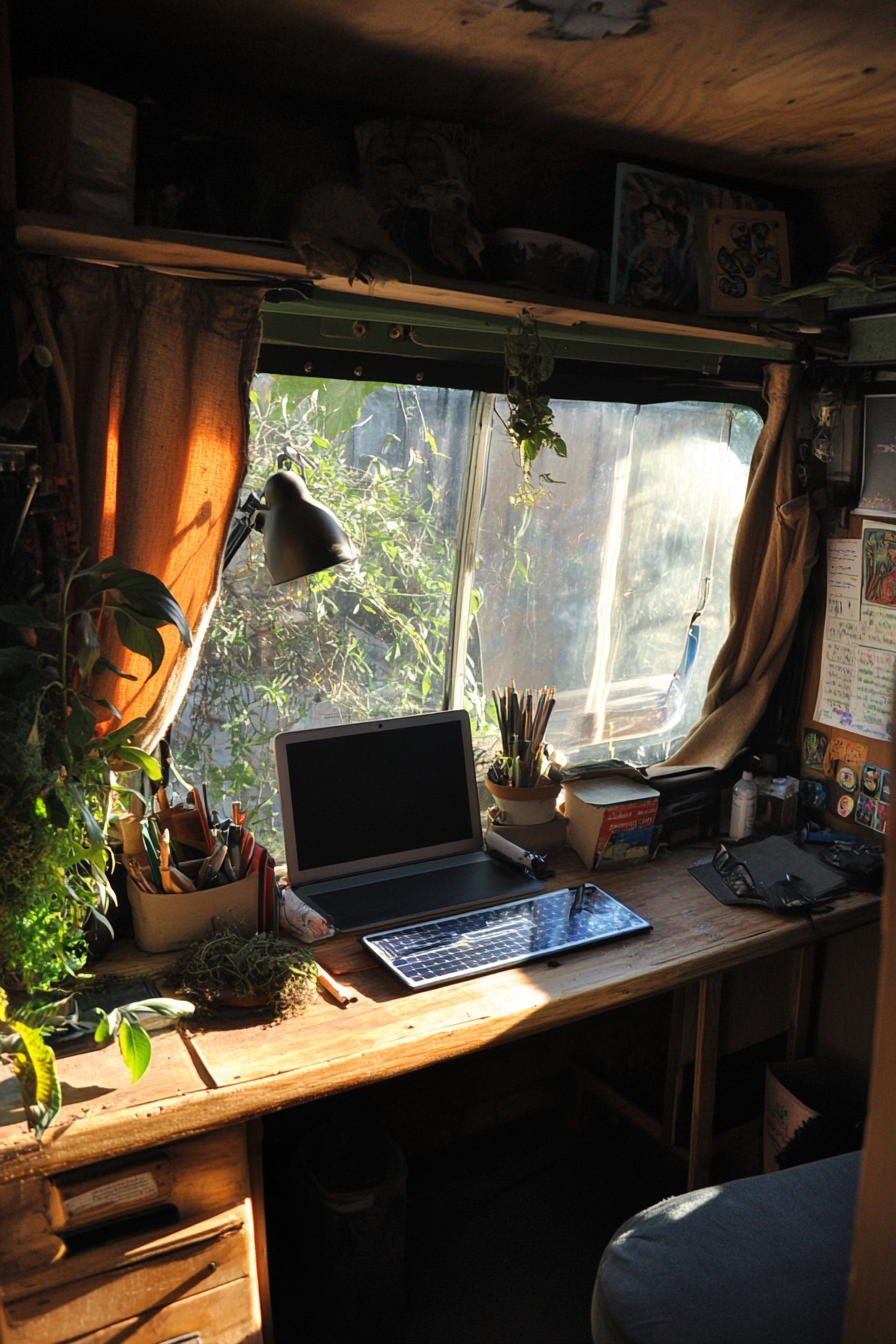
594,589
364,640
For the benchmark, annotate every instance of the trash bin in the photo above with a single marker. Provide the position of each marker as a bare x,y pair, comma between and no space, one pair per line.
809,1114
355,1180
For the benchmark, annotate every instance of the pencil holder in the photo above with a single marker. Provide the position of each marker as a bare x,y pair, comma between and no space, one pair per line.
525,807
169,921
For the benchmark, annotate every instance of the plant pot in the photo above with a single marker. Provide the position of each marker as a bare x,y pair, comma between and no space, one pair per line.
525,807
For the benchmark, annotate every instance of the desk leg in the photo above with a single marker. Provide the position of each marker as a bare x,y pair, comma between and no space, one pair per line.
674,1062
706,1058
802,973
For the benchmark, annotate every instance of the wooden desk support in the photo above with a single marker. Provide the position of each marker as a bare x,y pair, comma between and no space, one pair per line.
204,1080
204,1085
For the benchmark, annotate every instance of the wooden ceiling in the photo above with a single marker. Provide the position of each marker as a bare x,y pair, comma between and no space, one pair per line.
800,91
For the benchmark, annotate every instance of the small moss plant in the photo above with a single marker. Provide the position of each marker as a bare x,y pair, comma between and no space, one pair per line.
226,968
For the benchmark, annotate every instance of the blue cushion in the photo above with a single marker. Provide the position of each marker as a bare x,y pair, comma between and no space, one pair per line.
759,1261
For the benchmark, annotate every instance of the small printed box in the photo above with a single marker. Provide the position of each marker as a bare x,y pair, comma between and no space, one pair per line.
611,820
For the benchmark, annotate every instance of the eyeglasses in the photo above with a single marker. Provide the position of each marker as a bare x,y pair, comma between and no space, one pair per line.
733,872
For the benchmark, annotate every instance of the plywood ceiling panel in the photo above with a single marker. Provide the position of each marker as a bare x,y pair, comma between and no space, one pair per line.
800,91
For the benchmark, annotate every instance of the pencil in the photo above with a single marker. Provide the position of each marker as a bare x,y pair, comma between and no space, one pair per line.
341,994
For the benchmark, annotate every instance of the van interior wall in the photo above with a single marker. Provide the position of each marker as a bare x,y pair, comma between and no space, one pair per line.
278,143
242,126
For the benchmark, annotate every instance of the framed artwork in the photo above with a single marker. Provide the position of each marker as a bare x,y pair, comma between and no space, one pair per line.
656,227
878,498
746,259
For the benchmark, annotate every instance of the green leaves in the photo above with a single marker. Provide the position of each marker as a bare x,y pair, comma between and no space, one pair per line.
133,1039
27,618
142,759
34,1066
136,1048
530,419
140,638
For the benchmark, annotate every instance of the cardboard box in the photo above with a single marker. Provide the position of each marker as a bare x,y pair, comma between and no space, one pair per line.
170,921
76,150
611,820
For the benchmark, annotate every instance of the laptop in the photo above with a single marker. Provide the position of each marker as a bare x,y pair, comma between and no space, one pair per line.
381,822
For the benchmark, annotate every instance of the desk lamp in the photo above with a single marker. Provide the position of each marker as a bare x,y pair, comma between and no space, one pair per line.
301,536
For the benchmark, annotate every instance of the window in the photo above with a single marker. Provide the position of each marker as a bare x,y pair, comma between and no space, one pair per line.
615,590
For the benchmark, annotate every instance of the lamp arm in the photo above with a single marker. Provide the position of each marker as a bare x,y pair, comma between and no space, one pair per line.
250,514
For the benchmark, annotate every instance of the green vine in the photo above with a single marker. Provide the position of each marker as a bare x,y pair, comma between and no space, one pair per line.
530,420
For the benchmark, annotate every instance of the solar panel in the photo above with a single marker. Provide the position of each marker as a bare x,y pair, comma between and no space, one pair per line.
458,946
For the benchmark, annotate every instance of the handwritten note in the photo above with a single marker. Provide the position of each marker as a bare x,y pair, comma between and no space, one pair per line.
858,660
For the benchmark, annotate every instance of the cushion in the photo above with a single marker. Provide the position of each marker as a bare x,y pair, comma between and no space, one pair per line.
758,1261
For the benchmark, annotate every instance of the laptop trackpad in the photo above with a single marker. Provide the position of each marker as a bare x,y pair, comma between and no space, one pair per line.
402,896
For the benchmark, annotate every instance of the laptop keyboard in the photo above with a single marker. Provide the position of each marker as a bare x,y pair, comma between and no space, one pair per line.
459,946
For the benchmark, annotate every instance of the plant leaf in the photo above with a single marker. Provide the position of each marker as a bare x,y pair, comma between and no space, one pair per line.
121,736
17,657
81,724
103,665
91,825
140,639
148,764
114,712
57,811
164,1007
104,1030
135,1047
87,647
35,1069
149,596
103,568
28,618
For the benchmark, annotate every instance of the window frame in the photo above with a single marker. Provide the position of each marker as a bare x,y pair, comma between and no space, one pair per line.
481,372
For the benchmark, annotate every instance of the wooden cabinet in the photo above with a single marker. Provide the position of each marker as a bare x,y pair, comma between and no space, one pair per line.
147,1248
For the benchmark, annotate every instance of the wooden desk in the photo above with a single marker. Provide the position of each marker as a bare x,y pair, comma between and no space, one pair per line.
205,1080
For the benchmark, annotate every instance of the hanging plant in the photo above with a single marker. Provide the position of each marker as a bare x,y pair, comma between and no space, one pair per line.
530,420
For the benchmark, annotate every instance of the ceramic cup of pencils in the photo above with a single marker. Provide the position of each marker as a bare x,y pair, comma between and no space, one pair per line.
518,779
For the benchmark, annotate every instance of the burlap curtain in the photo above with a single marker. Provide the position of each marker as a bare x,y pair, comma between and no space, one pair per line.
153,374
774,551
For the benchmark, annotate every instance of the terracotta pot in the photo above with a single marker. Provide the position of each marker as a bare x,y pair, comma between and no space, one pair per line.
525,807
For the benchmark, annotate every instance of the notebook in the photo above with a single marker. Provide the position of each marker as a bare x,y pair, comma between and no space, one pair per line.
381,821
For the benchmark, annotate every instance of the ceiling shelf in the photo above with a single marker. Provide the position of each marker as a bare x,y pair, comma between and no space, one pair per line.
213,256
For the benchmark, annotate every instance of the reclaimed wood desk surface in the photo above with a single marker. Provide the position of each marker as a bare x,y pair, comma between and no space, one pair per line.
202,1079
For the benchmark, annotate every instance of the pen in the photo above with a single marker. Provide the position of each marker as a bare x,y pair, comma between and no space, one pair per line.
578,899
341,994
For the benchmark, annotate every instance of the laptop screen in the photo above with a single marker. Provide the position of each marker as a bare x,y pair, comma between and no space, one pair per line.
363,796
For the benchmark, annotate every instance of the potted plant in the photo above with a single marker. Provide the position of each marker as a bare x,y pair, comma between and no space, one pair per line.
59,749
229,970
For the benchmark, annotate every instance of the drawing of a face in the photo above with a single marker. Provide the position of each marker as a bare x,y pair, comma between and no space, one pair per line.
870,781
659,226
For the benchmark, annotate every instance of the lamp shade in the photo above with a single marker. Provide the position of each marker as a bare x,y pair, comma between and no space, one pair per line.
301,536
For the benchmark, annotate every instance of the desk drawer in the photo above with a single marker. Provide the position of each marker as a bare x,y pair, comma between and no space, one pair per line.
194,1179
187,1262
225,1315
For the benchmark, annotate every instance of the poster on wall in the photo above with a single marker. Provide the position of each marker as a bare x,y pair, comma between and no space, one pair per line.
858,658
745,260
655,236
878,498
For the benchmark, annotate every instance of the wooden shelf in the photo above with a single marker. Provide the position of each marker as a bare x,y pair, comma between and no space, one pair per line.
212,256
